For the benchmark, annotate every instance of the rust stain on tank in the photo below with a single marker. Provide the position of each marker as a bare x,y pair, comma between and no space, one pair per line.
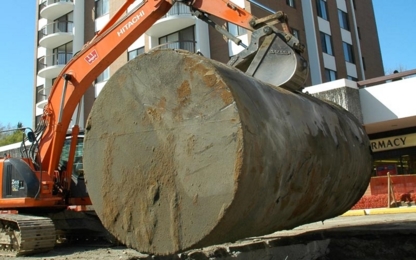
175,218
162,104
110,211
155,113
184,93
191,64
224,92
227,97
239,160
210,79
158,180
163,172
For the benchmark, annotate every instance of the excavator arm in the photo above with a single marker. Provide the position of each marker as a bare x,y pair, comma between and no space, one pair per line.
122,31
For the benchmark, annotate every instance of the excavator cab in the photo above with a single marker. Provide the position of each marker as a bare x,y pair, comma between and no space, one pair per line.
78,188
77,168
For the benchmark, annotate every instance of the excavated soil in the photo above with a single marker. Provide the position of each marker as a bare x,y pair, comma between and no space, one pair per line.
390,236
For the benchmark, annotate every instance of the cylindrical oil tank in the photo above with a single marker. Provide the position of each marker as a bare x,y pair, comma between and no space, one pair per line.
184,152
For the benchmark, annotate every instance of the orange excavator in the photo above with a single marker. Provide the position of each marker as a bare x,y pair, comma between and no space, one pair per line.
50,176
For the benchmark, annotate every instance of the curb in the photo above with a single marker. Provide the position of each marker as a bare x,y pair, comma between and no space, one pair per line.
378,211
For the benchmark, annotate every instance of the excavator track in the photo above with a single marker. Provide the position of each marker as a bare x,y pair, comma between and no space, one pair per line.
25,235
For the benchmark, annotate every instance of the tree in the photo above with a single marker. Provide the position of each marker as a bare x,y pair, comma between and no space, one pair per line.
10,136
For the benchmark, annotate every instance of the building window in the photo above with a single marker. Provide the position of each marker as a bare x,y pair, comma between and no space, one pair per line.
178,9
101,7
236,30
326,43
321,9
64,23
363,60
40,93
103,76
62,54
343,20
359,32
41,64
394,163
352,78
41,6
330,75
296,33
38,119
291,3
134,53
348,52
183,39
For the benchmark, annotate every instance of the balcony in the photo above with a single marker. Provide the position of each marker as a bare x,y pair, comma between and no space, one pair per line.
183,45
42,97
56,8
178,9
178,17
51,65
55,34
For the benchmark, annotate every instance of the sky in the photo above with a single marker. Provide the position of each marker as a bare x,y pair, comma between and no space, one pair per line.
395,24
17,55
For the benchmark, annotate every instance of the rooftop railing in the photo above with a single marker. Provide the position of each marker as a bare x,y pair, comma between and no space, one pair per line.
178,9
57,1
55,27
59,58
45,3
384,79
183,45
42,94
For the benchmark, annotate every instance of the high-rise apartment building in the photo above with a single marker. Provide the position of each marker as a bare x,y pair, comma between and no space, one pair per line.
340,38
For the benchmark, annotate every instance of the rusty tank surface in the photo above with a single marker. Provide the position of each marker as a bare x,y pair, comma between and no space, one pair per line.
185,152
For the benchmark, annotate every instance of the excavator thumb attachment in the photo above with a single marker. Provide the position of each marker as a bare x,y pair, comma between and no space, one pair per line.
270,59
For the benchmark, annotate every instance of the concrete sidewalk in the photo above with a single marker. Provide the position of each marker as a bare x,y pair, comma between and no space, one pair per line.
379,211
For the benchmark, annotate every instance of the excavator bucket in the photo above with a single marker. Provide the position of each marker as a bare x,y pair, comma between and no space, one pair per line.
184,152
270,59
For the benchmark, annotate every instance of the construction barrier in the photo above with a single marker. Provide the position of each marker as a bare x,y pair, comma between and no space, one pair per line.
401,184
402,189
